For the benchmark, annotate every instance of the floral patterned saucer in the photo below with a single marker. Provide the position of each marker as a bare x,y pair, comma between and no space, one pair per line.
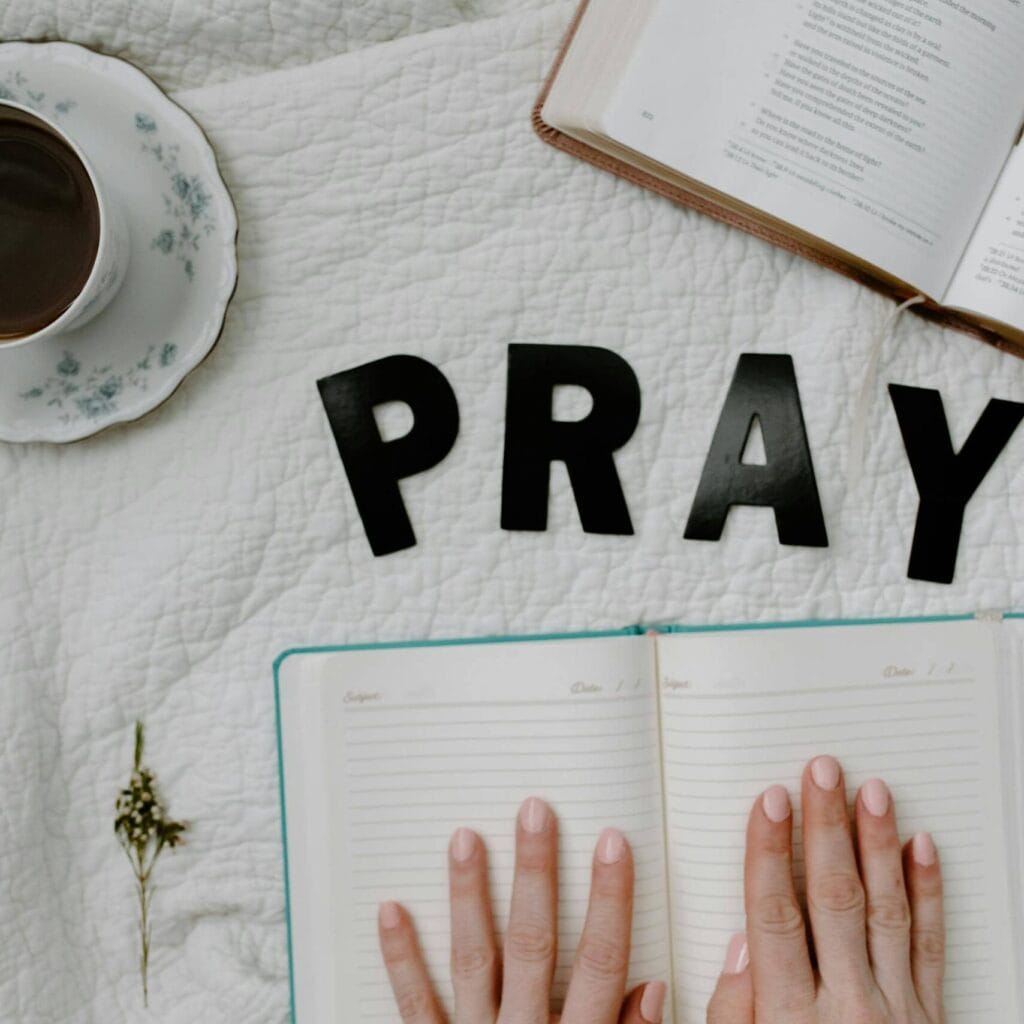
161,170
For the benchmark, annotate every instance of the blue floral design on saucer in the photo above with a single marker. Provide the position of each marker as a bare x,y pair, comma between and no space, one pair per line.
188,204
97,392
15,88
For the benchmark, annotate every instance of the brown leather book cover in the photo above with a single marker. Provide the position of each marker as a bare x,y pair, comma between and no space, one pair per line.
558,139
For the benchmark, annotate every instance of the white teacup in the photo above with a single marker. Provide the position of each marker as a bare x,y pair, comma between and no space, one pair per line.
112,250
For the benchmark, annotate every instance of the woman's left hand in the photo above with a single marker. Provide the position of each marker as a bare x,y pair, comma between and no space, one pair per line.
514,987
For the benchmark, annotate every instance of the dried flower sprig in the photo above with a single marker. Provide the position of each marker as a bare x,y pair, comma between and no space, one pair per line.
144,829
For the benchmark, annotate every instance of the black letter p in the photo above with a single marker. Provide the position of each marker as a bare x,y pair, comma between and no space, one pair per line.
374,466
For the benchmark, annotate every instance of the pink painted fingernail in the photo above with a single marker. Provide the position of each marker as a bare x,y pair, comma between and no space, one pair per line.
825,772
389,914
776,803
875,795
737,956
923,850
534,815
611,846
652,1002
463,844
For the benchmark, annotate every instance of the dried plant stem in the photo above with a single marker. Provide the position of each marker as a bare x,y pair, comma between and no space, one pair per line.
144,933
144,892
142,826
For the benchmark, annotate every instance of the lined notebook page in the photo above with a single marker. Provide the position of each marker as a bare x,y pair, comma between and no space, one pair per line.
400,747
915,704
1012,671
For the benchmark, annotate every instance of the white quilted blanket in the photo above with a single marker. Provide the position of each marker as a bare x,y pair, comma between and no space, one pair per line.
393,199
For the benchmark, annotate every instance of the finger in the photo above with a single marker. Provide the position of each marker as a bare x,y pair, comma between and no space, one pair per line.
888,910
645,1004
599,970
779,960
531,939
474,960
733,999
417,1001
835,895
928,932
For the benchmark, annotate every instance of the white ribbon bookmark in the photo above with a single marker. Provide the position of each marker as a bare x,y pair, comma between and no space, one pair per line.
858,432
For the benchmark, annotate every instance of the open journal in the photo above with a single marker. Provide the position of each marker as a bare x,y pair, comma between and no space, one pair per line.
669,737
879,137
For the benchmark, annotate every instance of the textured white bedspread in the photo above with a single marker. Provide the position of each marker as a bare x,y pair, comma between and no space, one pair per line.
393,198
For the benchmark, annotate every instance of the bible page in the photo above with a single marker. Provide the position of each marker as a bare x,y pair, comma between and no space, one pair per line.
915,704
990,278
880,126
387,751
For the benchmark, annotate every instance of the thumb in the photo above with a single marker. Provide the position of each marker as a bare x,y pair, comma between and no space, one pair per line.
733,1001
645,1004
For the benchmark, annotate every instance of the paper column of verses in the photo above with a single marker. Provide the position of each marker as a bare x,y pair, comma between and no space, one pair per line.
914,705
880,127
436,738
990,278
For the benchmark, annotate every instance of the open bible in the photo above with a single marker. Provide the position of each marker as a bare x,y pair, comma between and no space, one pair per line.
669,737
878,137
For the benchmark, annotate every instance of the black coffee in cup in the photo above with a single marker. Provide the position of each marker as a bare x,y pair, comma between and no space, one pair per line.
49,224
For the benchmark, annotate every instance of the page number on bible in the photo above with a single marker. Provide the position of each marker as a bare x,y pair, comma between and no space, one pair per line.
646,115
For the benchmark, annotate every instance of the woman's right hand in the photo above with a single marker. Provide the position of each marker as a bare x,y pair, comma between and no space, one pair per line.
875,910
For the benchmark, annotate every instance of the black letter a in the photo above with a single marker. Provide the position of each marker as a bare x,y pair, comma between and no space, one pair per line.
763,387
